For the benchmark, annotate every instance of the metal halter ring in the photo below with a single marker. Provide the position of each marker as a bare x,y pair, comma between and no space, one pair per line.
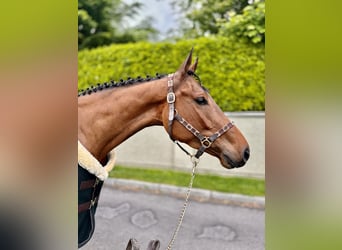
206,142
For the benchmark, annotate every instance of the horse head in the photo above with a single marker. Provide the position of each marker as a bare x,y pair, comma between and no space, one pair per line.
198,121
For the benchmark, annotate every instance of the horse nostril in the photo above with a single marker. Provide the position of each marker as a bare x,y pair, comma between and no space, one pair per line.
246,154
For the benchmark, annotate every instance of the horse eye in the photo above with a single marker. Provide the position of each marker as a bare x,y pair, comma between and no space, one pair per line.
201,101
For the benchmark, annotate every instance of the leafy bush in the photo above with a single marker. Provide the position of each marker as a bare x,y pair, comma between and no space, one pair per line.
249,25
232,71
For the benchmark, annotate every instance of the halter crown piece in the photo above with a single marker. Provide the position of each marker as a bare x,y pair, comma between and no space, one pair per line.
174,115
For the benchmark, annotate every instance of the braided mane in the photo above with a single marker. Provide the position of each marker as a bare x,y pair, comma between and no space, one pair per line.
120,83
128,82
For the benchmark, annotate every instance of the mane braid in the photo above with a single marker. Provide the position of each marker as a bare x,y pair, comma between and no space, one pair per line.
120,83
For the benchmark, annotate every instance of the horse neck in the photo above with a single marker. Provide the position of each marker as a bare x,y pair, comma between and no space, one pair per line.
107,118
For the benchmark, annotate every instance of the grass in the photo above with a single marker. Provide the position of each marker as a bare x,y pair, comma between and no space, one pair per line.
239,185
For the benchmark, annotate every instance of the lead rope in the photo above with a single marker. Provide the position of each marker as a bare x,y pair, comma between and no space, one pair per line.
204,140
194,161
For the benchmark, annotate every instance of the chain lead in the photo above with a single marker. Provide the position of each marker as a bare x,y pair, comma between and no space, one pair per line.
194,161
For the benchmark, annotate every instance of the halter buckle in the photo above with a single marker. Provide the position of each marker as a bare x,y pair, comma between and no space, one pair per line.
171,97
206,142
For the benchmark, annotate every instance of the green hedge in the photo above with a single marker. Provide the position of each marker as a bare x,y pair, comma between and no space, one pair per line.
233,72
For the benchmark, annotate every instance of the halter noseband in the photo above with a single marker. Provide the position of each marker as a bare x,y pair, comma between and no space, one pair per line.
174,115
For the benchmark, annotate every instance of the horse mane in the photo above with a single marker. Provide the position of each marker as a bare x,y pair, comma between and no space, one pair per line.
121,83
130,81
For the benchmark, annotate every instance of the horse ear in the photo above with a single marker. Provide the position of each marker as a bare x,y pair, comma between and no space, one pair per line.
194,65
183,69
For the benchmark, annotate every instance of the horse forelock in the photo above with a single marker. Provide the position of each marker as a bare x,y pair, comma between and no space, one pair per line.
198,79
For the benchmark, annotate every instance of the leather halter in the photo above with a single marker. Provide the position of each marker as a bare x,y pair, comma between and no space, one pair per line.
206,141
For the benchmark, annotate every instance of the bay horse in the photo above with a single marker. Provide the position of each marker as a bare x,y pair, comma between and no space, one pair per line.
110,113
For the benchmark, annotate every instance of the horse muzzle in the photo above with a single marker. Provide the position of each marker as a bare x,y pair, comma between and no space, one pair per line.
228,162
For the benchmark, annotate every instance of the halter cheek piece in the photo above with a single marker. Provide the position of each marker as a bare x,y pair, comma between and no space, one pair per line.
205,141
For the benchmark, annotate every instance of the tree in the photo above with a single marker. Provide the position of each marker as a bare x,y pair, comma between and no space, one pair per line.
232,18
202,16
102,22
249,25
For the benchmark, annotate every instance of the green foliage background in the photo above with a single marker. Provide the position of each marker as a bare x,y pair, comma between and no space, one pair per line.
232,71
249,25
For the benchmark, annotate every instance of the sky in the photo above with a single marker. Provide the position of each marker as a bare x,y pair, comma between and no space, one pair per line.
161,11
